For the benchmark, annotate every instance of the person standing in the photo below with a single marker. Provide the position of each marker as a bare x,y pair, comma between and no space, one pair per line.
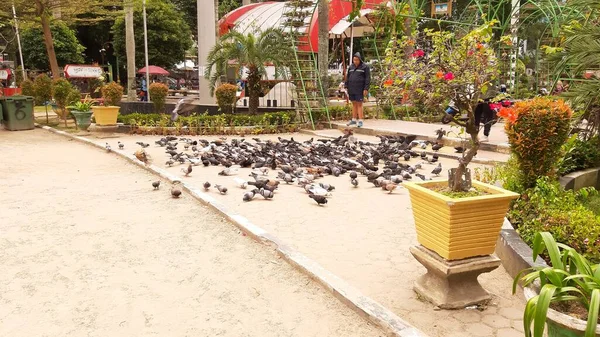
358,81
144,91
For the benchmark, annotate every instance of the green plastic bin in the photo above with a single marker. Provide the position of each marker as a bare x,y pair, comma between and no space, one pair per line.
17,112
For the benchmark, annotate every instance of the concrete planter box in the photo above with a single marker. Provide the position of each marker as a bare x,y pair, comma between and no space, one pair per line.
458,228
580,179
559,324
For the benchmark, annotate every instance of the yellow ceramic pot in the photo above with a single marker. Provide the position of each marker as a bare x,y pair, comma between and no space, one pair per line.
458,228
106,115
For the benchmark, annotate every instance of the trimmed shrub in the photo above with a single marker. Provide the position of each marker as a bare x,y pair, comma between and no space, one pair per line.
226,97
61,92
579,154
536,130
203,120
74,97
158,95
27,88
112,94
42,89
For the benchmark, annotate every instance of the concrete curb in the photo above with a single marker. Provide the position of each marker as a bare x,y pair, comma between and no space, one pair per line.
580,179
352,297
484,161
515,254
447,141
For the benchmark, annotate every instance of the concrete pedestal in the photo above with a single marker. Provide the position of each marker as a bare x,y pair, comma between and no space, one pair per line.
452,284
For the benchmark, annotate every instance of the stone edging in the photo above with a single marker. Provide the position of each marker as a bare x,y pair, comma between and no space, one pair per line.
352,297
515,254
579,179
447,141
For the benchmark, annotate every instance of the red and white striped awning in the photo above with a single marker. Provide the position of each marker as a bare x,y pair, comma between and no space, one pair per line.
259,16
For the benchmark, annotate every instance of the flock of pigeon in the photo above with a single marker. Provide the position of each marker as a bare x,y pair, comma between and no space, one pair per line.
384,164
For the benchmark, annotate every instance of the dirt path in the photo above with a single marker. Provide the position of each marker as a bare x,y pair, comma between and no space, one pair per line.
88,249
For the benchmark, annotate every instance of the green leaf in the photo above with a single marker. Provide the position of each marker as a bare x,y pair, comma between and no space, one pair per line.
545,240
528,314
541,309
592,321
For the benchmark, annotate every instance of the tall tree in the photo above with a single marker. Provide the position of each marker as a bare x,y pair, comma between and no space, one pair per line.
251,52
130,50
324,43
169,36
67,50
42,12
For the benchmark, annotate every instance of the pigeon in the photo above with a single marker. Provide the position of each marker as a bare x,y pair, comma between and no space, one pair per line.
206,186
407,156
121,145
390,187
107,147
353,175
187,170
156,184
437,170
320,199
143,145
436,146
440,133
241,183
328,187
175,192
422,177
142,156
228,172
221,189
267,194
459,149
354,182
170,162
249,195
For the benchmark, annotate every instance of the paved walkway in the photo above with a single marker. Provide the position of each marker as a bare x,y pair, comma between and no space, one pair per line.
89,249
362,235
376,126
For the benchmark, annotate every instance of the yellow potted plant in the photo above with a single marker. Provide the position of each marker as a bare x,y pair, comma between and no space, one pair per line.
456,218
107,114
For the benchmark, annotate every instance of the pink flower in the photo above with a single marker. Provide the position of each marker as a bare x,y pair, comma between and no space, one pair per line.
418,53
449,76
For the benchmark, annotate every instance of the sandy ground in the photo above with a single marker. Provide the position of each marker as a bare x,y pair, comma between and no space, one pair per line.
362,235
89,249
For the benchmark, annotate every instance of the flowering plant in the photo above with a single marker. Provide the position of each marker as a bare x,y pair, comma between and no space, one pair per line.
434,67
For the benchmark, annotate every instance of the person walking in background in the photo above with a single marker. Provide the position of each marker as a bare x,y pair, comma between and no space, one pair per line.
144,91
358,81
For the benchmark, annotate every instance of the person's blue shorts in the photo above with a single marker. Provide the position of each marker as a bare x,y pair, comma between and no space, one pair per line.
356,97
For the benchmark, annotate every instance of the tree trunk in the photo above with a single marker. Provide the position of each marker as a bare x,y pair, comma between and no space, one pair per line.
41,11
130,48
324,45
253,89
458,183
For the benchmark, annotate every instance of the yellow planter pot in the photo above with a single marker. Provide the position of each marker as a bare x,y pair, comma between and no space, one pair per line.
458,228
106,115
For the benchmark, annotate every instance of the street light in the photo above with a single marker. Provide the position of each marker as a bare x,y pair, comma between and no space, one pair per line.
146,52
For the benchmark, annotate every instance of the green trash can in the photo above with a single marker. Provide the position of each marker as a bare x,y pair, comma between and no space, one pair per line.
17,112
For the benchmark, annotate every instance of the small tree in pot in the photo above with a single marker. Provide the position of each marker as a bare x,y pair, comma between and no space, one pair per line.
107,114
444,66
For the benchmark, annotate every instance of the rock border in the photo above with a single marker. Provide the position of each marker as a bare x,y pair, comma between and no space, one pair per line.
515,254
389,322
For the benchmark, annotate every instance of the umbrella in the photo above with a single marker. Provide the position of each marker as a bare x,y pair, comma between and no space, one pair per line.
154,70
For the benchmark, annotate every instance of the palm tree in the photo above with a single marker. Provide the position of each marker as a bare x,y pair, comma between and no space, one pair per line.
251,51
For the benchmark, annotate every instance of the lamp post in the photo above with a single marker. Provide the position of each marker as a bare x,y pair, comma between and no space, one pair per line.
19,42
146,52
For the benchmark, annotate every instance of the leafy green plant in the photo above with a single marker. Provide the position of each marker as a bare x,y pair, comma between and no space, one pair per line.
112,94
537,129
85,105
42,89
226,97
549,207
571,280
579,154
27,88
61,92
158,95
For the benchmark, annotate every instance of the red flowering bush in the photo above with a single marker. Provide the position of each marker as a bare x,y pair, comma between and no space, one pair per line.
536,131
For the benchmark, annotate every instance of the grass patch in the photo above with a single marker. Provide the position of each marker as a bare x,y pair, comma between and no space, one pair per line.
593,204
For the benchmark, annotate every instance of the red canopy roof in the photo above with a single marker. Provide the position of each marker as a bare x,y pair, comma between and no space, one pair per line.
269,14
